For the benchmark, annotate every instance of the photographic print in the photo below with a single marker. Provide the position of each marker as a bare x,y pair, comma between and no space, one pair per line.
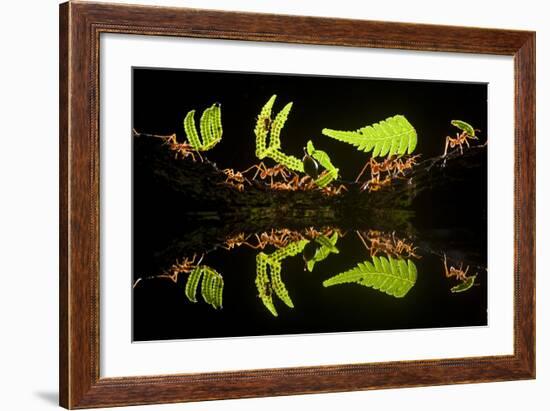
279,204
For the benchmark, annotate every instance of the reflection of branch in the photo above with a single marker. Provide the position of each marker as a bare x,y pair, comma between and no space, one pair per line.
276,237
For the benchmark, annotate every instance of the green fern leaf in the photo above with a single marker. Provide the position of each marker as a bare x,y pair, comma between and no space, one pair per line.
265,126
262,127
216,122
393,136
191,130
289,161
389,275
210,126
277,126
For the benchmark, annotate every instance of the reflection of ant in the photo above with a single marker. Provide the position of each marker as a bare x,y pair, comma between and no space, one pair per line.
458,273
237,241
186,266
387,244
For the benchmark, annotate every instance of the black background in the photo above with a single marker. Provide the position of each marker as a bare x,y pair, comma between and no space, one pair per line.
457,213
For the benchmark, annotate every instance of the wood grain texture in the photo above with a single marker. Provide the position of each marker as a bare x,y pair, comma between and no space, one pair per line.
80,27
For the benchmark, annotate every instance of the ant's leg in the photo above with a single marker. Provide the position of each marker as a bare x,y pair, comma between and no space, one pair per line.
362,171
447,140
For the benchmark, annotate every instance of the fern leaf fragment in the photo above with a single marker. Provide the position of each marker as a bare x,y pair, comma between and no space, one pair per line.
462,125
323,158
263,284
393,136
264,127
191,130
210,128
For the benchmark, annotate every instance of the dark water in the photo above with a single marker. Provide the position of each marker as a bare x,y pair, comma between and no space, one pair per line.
449,219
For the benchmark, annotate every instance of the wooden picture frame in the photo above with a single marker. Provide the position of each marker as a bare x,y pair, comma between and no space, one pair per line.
80,27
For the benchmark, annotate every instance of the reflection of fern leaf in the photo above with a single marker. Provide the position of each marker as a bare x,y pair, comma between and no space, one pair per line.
328,245
206,286
192,284
389,275
278,285
212,287
290,250
263,284
395,135
217,291
465,285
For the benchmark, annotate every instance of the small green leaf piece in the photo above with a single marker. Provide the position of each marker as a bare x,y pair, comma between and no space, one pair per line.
462,125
